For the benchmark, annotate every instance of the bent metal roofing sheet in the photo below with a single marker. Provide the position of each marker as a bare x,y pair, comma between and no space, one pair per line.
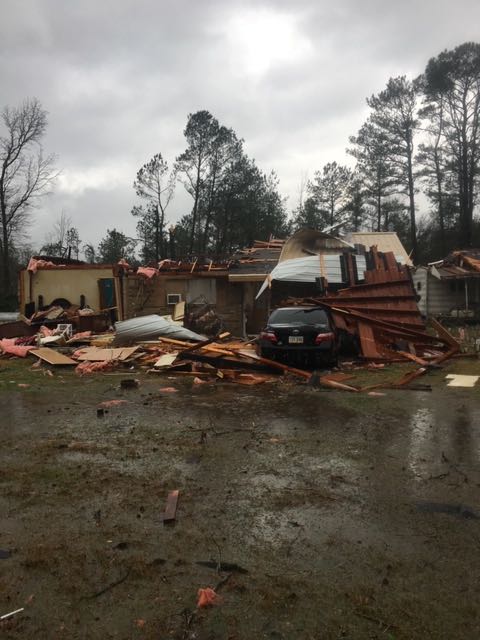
307,269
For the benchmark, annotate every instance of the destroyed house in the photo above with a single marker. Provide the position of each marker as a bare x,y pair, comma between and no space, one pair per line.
378,308
201,284
251,267
206,295
227,287
450,287
69,284
248,269
311,262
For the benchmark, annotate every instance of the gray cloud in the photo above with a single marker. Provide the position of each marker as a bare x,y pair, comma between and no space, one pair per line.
119,77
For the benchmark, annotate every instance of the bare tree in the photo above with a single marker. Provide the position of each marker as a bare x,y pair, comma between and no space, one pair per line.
25,174
156,186
63,239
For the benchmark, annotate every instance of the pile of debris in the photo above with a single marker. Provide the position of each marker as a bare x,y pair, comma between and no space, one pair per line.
208,360
378,312
382,314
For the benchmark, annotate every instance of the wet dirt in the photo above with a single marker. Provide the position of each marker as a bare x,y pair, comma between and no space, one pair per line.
315,495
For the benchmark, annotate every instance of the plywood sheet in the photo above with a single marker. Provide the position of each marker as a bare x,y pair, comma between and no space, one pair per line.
179,311
461,381
93,354
52,357
166,360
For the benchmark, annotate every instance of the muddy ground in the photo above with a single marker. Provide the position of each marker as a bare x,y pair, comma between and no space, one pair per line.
345,515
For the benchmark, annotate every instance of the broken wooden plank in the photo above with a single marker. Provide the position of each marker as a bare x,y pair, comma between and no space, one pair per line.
52,357
214,349
282,367
367,340
389,327
248,353
408,377
180,343
339,376
171,507
205,343
445,334
333,384
445,356
414,358
6,616
226,363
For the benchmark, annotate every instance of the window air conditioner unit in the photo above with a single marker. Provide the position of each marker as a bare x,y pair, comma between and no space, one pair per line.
174,298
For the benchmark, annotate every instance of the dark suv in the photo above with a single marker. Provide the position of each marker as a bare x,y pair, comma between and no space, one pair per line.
299,336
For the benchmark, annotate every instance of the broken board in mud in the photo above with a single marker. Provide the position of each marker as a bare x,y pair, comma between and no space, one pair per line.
52,357
171,507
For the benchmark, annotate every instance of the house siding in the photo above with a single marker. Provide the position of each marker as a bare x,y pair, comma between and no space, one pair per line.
419,278
442,297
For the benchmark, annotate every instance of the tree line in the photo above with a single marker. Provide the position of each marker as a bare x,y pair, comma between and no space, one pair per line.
419,144
420,139
233,201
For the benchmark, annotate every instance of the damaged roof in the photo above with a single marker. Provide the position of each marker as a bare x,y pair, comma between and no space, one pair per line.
256,261
309,242
458,265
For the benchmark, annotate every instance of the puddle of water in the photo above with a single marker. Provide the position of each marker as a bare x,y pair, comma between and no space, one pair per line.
422,437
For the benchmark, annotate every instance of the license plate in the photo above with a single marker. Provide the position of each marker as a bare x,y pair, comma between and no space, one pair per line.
295,339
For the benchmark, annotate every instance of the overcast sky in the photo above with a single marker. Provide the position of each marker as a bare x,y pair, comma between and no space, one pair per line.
119,77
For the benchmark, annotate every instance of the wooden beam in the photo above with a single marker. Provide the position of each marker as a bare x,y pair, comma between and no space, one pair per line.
445,334
199,345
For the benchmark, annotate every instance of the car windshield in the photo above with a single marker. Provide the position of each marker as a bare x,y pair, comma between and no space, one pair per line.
313,316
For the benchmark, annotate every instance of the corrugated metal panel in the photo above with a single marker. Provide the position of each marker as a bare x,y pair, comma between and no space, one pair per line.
307,269
150,328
